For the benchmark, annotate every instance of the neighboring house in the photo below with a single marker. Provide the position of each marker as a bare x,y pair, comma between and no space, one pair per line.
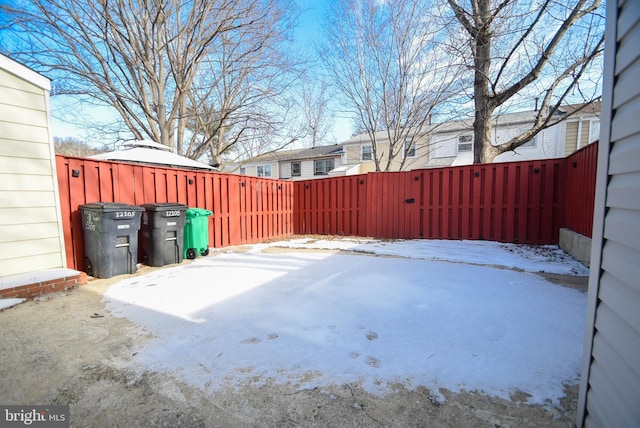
358,153
443,144
297,164
31,235
609,393
451,143
146,152
581,128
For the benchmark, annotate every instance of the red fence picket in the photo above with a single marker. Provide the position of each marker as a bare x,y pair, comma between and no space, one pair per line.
245,209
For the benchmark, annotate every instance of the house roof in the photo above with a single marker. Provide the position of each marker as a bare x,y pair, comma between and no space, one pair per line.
24,72
583,108
305,153
150,152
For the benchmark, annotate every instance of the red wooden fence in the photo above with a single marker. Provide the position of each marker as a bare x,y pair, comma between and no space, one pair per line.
245,209
581,189
524,202
507,202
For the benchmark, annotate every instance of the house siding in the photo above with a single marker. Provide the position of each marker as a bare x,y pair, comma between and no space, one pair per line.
307,169
285,170
546,146
252,169
282,169
30,222
445,145
610,383
353,154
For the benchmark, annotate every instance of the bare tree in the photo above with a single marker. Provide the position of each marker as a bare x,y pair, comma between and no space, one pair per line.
75,147
386,61
242,101
535,49
141,58
317,117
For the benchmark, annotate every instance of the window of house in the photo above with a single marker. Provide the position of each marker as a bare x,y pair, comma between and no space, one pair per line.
323,166
243,170
367,152
264,170
296,169
465,143
409,149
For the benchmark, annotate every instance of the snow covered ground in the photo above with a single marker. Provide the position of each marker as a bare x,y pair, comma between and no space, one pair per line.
443,314
8,303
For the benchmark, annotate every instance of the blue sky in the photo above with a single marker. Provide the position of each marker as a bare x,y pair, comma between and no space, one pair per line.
308,33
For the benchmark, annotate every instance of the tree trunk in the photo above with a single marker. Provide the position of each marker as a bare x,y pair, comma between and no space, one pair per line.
481,46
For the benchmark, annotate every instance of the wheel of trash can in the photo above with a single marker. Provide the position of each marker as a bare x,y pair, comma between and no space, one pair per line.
88,266
205,252
191,253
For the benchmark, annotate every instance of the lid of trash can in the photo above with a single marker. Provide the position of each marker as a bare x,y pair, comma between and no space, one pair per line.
109,207
198,212
164,206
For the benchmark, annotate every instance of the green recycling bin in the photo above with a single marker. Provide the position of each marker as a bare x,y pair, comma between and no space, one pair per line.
196,233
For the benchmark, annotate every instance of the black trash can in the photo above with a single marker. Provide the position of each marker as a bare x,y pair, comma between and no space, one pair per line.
110,238
161,233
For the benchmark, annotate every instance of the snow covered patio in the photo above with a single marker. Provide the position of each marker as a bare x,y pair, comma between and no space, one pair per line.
460,315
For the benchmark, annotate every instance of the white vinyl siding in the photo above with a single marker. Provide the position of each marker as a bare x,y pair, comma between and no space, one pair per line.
258,170
30,223
610,383
283,169
444,146
533,142
543,146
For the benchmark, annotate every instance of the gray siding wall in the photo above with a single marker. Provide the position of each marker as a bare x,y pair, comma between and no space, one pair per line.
30,226
610,384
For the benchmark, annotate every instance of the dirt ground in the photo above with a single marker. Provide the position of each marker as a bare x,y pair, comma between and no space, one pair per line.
67,349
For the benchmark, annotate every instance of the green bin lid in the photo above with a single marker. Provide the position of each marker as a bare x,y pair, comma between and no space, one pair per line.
198,212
